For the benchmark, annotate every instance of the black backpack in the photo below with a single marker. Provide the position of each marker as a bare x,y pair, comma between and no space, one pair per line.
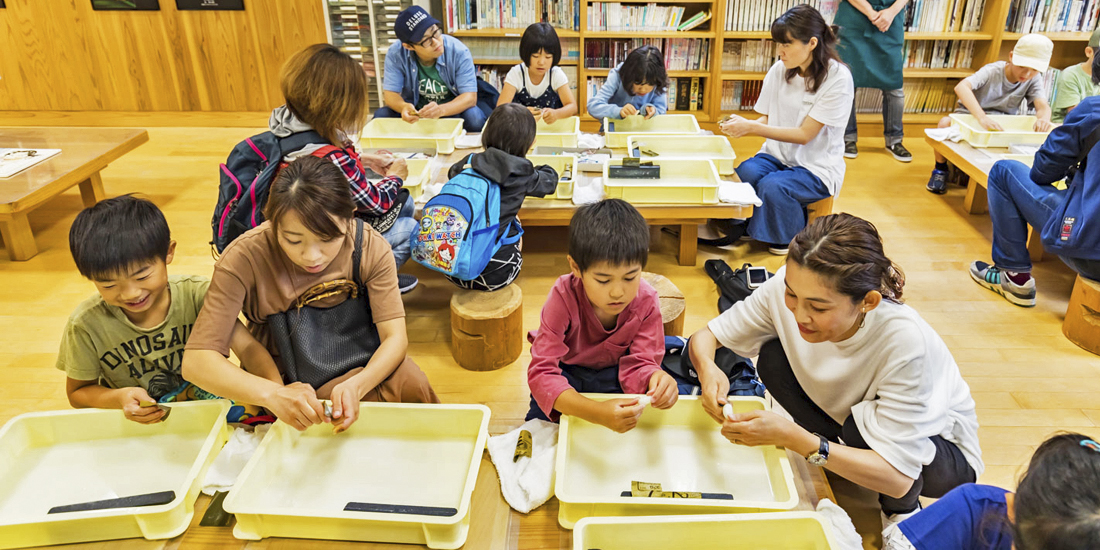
733,286
246,177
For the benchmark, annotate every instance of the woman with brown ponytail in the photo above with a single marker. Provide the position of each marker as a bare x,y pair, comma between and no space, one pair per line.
874,392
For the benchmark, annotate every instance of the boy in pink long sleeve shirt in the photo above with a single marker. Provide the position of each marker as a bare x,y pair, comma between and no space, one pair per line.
601,328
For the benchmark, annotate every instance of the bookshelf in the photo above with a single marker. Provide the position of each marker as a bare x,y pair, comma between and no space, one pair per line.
988,32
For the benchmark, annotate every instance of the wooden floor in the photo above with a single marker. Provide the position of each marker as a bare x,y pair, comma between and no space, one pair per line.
1027,379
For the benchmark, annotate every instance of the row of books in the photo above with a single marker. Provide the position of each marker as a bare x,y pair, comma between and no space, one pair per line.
740,95
755,15
930,96
494,75
684,93
681,54
511,14
944,15
506,50
939,54
1052,15
650,17
748,55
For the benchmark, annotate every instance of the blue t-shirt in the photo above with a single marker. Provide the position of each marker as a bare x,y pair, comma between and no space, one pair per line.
970,517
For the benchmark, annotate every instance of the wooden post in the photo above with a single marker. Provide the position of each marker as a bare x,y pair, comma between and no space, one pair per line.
91,190
689,243
486,328
976,201
673,305
1082,324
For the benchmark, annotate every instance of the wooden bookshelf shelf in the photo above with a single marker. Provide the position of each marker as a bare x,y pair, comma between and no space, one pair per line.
747,35
649,34
1054,36
742,75
700,115
652,1
948,36
672,74
937,73
930,119
508,33
516,61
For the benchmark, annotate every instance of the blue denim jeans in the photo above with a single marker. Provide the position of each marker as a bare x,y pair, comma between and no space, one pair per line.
785,192
893,107
1016,202
398,235
473,119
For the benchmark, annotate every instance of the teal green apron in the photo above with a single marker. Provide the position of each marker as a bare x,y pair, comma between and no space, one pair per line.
875,58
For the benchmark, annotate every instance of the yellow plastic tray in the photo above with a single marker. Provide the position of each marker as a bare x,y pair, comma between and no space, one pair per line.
775,531
1017,131
56,458
558,162
439,134
420,173
681,182
297,483
562,133
681,448
713,148
617,131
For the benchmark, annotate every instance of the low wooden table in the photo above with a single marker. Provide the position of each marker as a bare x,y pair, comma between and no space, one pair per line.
84,152
558,212
976,164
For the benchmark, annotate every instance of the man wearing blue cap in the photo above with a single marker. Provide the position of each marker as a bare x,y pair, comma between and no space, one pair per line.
429,74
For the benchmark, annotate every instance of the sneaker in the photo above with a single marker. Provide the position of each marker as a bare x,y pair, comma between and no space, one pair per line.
406,282
995,279
938,182
892,537
900,152
850,150
778,249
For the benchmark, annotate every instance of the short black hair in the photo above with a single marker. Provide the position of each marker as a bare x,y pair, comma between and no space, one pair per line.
539,36
609,231
510,128
645,66
117,234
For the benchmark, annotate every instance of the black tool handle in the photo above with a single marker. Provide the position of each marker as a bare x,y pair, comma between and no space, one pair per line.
147,499
400,509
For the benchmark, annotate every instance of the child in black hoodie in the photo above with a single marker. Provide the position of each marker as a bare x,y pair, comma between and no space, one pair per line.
508,135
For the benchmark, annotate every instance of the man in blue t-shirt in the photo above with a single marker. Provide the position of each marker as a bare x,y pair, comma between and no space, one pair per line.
429,74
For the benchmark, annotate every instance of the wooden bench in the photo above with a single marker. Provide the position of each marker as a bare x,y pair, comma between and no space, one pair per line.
823,207
486,328
976,164
84,153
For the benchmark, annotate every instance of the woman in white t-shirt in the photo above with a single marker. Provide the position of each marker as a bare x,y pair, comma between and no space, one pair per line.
874,392
539,83
805,99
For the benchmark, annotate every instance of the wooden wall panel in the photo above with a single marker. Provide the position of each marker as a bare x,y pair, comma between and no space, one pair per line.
62,55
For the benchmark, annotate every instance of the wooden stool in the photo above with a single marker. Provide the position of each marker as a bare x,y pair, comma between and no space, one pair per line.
815,210
1082,324
673,305
487,327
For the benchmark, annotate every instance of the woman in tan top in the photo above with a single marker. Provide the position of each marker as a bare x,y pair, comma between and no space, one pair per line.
308,239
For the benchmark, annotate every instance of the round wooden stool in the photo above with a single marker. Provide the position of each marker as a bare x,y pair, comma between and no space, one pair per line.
1082,324
487,327
673,305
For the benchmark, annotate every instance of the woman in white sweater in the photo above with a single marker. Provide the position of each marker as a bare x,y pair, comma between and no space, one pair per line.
874,392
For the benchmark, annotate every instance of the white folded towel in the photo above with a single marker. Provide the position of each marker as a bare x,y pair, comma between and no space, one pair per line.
528,482
950,133
468,141
844,530
738,192
587,190
590,141
225,469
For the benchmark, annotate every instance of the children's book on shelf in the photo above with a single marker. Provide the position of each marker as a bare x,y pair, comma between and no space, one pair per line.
944,15
740,95
608,16
1025,16
757,15
16,159
681,54
505,50
511,14
748,55
939,54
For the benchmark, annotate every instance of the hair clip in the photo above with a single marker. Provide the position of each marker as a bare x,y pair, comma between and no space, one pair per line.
1090,444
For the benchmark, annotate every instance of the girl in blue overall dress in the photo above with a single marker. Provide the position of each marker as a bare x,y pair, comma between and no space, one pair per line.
549,99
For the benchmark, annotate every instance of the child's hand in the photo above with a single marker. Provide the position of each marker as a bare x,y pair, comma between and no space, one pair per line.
431,110
663,390
130,400
550,116
297,405
650,111
737,126
621,415
398,168
409,113
345,406
1043,125
627,110
535,112
989,124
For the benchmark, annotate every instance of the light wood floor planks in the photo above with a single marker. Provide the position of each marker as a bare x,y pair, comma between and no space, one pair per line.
1027,379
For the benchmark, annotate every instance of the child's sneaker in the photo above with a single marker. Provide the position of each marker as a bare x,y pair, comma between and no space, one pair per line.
938,182
900,152
850,150
778,249
995,279
406,282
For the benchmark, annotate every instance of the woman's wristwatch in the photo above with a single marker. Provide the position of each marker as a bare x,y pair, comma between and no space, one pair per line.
820,457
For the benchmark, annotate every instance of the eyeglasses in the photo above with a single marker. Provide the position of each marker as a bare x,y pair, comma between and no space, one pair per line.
19,154
437,35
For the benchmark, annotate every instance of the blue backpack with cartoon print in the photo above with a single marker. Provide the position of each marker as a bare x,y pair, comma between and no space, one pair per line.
460,230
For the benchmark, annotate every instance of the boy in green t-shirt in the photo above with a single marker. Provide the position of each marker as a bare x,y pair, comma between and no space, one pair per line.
123,347
1076,83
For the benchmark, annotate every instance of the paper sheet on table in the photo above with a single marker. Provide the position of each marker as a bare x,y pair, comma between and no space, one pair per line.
10,168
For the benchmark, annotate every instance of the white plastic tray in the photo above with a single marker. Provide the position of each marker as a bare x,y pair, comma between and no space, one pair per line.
562,133
617,131
681,182
713,148
1017,130
558,162
439,134
774,531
